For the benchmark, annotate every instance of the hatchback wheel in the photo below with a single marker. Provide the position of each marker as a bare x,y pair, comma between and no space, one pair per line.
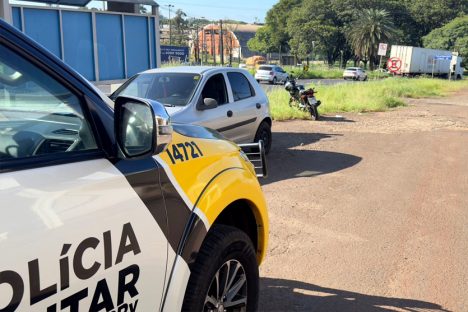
264,134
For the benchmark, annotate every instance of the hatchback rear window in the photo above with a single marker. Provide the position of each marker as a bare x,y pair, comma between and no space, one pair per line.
351,69
241,88
265,68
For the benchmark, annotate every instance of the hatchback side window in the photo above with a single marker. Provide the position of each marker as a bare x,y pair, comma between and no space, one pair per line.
38,115
215,88
241,87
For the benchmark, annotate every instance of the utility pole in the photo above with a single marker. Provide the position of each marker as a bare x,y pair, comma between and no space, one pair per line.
221,46
341,59
197,46
169,6
204,47
213,45
279,54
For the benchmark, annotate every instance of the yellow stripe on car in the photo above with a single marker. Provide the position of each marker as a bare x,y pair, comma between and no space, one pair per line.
213,173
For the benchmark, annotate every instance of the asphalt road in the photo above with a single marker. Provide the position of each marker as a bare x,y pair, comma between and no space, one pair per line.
269,87
369,212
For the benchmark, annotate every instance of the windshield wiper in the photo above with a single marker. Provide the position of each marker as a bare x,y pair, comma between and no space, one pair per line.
169,105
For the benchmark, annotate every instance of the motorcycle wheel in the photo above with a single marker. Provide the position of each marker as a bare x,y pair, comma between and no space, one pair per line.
313,112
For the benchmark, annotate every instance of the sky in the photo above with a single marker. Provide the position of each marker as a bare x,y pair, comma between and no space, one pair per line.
243,10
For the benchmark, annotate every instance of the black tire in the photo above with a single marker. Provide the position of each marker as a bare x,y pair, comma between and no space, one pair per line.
314,114
264,133
224,244
274,81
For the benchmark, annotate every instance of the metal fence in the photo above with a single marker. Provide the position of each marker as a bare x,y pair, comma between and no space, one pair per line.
102,46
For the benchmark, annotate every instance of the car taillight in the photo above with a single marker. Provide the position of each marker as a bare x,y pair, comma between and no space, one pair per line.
272,73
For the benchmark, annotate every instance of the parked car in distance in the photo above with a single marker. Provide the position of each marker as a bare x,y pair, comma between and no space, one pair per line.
225,99
355,73
271,73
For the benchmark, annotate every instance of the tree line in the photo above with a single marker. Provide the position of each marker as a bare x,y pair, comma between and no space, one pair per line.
352,29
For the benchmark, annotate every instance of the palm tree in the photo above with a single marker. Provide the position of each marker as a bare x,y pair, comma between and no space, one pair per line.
371,27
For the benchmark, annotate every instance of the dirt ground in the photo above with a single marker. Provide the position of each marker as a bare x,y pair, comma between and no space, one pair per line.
369,212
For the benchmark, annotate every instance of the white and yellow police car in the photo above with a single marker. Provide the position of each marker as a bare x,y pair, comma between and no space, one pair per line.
117,210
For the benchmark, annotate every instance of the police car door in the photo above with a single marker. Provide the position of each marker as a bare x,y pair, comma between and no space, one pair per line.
75,233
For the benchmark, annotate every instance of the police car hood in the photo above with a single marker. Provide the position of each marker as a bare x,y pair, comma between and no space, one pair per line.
199,132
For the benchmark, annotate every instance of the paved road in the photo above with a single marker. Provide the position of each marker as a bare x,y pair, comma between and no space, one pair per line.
369,212
268,87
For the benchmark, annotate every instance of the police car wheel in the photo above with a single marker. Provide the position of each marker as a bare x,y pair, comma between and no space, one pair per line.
225,276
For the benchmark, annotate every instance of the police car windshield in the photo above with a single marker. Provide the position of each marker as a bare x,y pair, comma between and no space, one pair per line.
170,89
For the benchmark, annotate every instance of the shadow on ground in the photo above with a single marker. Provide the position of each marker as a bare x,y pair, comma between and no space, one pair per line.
287,160
335,118
286,295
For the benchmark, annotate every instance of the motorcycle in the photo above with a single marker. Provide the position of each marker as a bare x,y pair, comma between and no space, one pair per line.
302,99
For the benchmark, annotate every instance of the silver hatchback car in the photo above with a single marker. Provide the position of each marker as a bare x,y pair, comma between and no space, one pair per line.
226,99
355,73
271,73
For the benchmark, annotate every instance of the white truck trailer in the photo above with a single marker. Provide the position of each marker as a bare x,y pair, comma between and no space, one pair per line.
418,61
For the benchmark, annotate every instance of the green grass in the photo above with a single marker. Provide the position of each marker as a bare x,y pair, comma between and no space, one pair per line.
373,96
322,72
325,72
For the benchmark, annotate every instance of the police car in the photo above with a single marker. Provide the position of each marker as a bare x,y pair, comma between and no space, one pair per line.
117,210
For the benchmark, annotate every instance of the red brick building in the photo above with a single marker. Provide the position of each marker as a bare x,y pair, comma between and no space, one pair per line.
232,41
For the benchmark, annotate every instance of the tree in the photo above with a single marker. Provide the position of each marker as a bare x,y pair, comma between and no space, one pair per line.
180,25
313,25
429,15
262,41
453,36
274,37
347,10
369,29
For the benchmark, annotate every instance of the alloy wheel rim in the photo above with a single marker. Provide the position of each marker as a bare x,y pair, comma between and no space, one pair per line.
228,289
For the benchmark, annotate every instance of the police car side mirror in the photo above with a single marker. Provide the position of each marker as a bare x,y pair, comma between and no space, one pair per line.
142,127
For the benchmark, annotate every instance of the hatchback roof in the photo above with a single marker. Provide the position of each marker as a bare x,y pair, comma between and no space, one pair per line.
187,69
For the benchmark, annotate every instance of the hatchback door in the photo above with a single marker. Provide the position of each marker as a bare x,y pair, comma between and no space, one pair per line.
246,106
235,119
282,75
